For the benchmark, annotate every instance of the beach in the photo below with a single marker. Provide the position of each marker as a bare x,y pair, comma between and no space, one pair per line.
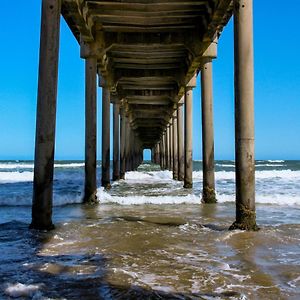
149,238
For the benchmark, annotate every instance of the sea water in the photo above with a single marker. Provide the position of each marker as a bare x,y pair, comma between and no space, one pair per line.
149,238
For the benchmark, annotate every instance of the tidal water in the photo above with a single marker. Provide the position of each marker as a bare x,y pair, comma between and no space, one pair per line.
149,238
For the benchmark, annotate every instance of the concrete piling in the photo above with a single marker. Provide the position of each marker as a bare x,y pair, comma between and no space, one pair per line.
163,151
175,146
180,142
46,116
208,192
244,116
188,138
168,147
127,145
116,142
171,145
122,143
105,138
90,187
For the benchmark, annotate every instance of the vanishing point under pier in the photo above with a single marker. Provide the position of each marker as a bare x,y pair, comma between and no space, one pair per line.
145,55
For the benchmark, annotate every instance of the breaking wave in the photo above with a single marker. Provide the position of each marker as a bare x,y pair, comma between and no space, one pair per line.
275,186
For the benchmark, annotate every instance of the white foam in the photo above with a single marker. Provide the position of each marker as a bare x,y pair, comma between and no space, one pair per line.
226,165
10,177
286,199
277,199
149,177
269,165
9,166
284,174
12,166
27,176
105,197
275,161
220,175
71,165
280,187
265,174
227,235
22,290
294,283
159,176
59,200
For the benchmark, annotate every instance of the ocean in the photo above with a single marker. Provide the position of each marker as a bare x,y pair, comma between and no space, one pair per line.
149,238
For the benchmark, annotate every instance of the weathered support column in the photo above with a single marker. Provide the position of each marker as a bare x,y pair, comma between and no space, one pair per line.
161,154
137,154
46,116
90,187
141,154
171,146
208,192
157,154
116,138
188,134
180,142
163,158
163,148
122,144
127,146
131,149
105,138
168,147
135,165
152,155
244,116
137,149
175,147
134,145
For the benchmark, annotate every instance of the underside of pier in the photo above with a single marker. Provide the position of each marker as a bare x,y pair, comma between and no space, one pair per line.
147,52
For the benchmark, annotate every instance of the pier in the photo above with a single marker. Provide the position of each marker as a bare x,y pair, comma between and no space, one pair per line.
145,56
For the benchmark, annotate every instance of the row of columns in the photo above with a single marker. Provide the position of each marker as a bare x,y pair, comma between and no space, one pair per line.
171,144
175,152
176,149
127,151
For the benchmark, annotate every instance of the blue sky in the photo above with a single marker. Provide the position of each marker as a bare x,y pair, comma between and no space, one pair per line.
277,86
